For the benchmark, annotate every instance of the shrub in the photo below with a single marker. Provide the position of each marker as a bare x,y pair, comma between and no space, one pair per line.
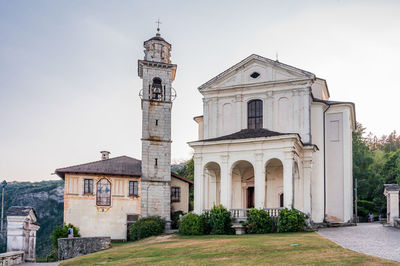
258,222
62,232
291,221
191,224
175,221
220,221
145,227
205,222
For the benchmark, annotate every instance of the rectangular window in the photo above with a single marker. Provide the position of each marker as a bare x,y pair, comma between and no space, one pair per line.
133,188
88,186
175,194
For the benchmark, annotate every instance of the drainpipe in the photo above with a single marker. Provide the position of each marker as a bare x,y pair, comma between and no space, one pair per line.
325,163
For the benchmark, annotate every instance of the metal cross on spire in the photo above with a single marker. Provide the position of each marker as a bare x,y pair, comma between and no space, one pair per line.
158,22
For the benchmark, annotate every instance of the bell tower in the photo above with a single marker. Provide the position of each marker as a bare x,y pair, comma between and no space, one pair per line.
157,95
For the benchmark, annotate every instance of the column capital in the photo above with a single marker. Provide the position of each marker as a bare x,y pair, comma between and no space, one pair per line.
224,158
269,94
238,98
259,156
197,157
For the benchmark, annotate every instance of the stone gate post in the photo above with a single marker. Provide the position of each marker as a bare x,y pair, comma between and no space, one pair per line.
391,192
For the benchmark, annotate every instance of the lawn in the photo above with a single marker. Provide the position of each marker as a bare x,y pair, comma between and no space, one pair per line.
289,248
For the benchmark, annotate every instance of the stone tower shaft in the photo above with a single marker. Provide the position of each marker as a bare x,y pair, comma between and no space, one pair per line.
157,95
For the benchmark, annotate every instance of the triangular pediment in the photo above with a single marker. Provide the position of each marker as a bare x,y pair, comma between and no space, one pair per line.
264,70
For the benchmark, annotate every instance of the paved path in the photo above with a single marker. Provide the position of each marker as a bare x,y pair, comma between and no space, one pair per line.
369,238
40,264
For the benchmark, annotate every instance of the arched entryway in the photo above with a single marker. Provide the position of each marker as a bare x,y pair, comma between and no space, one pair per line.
212,185
242,185
274,184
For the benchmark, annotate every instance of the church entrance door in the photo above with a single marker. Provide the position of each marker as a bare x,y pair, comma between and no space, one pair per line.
250,197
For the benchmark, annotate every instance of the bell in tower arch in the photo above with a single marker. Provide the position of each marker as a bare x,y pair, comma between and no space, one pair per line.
156,89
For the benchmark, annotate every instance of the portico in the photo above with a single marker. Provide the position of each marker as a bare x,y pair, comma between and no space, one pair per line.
230,172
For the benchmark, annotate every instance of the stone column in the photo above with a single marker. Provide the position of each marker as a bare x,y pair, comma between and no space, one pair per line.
259,181
198,184
288,180
226,182
392,196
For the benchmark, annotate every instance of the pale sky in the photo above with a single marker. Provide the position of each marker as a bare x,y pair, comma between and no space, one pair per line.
68,68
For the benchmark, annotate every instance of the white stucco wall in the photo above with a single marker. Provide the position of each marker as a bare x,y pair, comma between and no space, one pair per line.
183,204
81,210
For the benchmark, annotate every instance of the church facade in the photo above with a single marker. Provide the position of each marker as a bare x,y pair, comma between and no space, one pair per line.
103,198
270,137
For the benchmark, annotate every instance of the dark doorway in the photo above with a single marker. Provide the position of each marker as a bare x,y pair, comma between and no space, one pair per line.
281,200
250,197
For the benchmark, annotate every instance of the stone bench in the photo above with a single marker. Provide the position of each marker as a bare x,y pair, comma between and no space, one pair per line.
12,258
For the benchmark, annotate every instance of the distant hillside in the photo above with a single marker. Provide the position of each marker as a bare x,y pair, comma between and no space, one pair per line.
47,197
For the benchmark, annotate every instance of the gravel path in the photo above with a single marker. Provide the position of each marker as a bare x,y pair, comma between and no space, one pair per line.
369,238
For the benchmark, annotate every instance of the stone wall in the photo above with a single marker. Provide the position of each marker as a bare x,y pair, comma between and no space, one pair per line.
12,258
78,246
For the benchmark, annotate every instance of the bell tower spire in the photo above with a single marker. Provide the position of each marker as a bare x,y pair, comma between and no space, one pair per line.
157,94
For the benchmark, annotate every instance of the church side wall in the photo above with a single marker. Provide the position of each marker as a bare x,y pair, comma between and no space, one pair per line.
81,210
339,163
317,180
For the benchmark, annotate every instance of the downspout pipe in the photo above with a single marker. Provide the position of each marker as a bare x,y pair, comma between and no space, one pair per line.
324,125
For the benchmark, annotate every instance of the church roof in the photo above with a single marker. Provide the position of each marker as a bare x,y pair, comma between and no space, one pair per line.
122,165
249,133
259,58
157,38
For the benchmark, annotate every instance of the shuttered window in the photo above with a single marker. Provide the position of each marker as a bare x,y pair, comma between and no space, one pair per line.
133,188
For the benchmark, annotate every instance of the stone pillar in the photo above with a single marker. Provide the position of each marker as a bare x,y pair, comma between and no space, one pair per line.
198,184
21,231
259,181
226,182
288,180
391,192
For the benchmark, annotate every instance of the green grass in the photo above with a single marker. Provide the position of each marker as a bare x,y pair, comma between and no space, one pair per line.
217,250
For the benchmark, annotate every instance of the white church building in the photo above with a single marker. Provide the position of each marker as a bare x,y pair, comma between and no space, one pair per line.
270,137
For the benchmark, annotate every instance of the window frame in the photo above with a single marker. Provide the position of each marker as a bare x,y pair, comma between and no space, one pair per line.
255,114
132,192
99,194
175,194
89,186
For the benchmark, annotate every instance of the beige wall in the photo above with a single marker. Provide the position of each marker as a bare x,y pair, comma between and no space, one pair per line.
183,204
81,210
